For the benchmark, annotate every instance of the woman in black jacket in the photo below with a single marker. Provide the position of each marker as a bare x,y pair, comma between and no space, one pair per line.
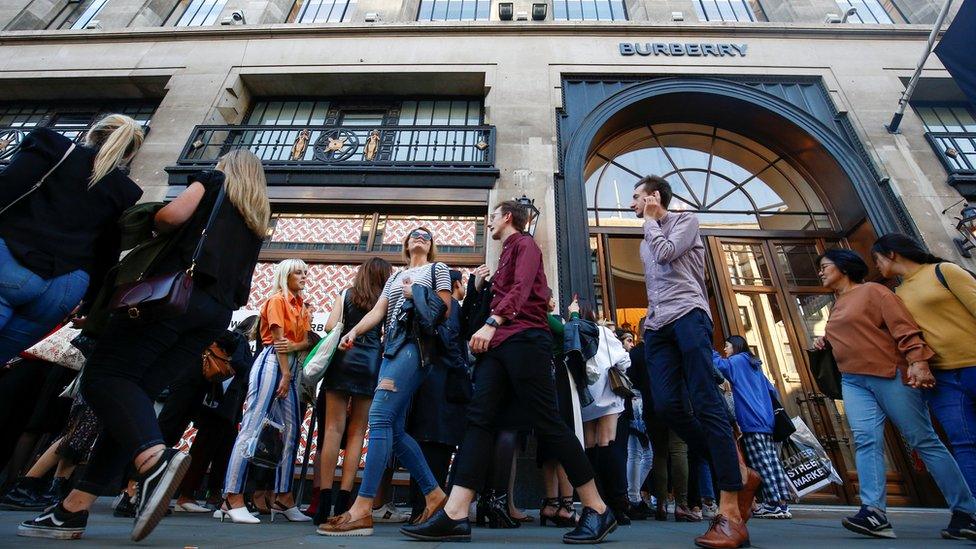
57,241
134,360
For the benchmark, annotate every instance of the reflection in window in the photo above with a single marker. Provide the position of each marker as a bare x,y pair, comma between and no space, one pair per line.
454,10
729,10
200,13
85,17
875,12
588,10
323,11
727,178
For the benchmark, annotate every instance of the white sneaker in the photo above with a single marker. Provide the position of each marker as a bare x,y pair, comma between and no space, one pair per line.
709,511
389,513
190,507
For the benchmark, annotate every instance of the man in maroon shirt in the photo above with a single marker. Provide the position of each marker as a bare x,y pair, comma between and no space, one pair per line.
514,348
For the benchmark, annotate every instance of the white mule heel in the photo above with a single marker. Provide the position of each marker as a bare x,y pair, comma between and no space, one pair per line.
239,515
293,514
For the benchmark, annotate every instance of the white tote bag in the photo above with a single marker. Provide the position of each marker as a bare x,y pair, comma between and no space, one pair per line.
321,355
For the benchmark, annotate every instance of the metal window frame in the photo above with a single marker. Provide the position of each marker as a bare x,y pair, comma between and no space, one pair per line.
625,16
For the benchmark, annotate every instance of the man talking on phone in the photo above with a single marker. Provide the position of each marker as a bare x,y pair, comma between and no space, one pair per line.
678,351
513,349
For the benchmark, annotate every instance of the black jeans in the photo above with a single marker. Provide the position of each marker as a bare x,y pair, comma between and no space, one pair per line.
521,364
130,366
211,447
679,361
184,400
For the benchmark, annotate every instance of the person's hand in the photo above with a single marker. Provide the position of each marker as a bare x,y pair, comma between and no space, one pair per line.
653,208
79,322
283,346
920,376
573,307
819,343
348,340
481,339
283,385
407,288
480,275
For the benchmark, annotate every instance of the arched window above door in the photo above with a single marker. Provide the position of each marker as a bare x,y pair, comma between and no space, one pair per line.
730,180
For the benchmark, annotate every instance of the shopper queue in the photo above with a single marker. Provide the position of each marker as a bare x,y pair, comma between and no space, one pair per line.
449,375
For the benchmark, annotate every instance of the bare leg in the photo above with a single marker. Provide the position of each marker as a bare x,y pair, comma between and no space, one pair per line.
356,432
514,511
47,461
335,423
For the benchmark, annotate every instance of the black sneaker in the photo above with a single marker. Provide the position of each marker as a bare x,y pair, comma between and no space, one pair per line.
961,526
870,522
156,488
26,495
125,506
55,523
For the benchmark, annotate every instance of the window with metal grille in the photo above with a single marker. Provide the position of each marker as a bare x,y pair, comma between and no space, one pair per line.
951,130
454,10
322,11
200,13
872,12
588,10
83,14
744,11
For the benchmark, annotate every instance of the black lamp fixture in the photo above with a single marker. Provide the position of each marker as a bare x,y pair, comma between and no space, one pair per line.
539,11
506,10
967,228
534,213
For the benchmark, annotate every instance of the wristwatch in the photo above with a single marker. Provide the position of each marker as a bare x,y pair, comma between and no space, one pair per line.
491,322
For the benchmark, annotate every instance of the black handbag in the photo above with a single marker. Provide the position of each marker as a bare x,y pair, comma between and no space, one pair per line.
268,445
782,424
823,366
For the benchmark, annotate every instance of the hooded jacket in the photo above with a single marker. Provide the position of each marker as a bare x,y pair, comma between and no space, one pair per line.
751,390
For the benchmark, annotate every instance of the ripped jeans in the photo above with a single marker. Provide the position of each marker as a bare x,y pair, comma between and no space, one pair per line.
399,379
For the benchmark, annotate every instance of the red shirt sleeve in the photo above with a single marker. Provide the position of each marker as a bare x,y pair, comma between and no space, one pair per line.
527,262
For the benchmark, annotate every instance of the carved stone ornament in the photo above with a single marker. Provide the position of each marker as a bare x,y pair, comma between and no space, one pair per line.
481,145
372,145
10,141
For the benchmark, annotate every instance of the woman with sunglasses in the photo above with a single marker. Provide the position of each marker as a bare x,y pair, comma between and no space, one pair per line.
400,376
884,362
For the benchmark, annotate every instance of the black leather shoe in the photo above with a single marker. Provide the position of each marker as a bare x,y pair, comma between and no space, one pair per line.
592,527
439,527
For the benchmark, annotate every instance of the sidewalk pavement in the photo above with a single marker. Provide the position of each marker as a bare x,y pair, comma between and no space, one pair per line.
812,527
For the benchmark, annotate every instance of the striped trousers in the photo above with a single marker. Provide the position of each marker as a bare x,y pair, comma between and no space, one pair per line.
261,403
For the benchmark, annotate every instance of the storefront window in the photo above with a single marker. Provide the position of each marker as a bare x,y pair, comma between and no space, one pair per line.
322,11
588,10
201,13
730,180
454,10
729,10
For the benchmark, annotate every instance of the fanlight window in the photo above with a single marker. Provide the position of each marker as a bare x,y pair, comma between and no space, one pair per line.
731,181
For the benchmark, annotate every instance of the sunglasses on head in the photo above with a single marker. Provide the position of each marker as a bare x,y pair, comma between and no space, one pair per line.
423,235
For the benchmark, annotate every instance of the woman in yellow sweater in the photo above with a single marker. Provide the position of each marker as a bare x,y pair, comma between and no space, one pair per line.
942,298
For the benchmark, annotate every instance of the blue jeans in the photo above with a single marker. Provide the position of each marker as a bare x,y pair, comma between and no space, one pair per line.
30,307
400,377
953,401
868,400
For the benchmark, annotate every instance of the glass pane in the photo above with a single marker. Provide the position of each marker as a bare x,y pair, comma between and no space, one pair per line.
747,265
798,263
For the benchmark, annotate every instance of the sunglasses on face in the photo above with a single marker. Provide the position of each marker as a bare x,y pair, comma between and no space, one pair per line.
423,235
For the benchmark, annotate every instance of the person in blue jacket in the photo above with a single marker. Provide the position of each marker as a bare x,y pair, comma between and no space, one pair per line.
754,413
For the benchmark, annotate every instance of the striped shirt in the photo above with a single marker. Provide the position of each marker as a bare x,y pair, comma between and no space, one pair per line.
393,290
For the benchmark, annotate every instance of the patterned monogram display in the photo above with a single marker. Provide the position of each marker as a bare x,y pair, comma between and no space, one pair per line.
446,232
315,230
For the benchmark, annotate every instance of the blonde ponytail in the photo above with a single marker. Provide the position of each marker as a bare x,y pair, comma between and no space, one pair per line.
247,188
117,138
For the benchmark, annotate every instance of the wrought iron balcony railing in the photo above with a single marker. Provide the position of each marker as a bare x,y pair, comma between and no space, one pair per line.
12,137
347,147
956,151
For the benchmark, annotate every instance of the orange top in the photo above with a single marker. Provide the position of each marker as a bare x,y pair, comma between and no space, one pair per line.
290,314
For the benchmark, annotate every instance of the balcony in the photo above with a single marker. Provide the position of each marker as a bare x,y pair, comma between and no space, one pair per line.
428,156
957,152
11,138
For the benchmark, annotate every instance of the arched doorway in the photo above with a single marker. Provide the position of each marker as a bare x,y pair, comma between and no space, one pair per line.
773,188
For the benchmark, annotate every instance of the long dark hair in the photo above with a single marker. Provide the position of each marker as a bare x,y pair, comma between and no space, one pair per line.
739,345
847,262
896,243
586,311
369,282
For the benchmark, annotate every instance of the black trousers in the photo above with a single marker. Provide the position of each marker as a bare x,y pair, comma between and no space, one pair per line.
520,365
211,447
185,399
131,364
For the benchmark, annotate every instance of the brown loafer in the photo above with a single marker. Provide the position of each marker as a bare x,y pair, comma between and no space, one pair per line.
430,510
343,525
683,514
724,534
748,493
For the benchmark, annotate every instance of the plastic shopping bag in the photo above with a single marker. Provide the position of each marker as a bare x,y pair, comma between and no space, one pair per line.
806,462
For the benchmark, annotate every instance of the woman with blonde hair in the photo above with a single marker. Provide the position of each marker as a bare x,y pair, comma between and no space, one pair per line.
273,393
135,360
58,240
401,374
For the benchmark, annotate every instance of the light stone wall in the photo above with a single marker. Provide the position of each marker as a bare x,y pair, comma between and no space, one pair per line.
862,70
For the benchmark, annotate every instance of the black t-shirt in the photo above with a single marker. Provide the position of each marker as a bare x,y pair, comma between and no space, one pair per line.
229,254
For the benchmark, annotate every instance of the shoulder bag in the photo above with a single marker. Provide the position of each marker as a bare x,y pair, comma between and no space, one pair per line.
40,181
783,425
216,364
620,384
163,296
319,358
